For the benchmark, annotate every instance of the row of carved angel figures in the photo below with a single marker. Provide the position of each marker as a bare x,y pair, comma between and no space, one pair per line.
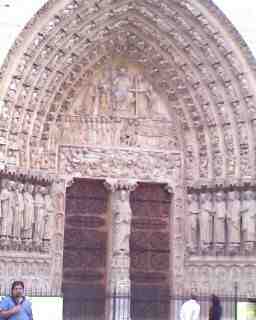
222,222
26,211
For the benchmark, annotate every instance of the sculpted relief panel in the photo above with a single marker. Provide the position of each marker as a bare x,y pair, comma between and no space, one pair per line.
120,89
26,214
119,163
117,107
222,222
31,232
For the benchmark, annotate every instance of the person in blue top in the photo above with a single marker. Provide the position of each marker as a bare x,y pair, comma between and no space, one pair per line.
16,306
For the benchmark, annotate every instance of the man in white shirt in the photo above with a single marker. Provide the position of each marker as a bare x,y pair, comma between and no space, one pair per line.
190,310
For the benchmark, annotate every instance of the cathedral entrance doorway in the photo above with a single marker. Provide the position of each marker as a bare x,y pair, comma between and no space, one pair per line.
93,243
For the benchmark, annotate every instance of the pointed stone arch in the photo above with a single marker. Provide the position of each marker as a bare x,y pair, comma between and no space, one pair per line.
193,60
191,53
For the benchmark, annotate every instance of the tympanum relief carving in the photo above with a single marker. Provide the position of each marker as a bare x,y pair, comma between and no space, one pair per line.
117,107
120,89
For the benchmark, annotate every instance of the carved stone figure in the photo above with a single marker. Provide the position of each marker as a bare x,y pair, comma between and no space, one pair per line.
248,212
48,217
5,208
29,213
39,215
19,212
12,209
122,216
193,211
233,220
206,214
124,100
219,221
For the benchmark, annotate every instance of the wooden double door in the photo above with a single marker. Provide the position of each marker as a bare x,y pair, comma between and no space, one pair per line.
87,227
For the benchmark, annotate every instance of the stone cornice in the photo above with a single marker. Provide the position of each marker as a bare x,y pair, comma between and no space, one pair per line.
40,177
222,184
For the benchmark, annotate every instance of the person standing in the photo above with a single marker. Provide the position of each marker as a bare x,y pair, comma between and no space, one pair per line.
16,306
215,311
190,309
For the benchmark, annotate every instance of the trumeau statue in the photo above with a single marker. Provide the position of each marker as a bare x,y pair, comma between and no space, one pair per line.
122,216
248,213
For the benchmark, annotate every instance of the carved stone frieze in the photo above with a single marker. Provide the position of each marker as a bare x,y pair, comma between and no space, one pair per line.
221,222
221,276
120,163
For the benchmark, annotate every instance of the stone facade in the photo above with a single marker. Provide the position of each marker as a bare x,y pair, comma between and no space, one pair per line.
140,91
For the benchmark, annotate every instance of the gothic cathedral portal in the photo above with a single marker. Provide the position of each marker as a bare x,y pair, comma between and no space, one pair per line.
127,154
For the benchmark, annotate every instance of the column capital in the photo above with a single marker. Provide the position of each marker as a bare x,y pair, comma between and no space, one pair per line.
169,187
120,184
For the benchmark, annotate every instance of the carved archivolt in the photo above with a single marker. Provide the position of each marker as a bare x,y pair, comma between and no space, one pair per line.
188,55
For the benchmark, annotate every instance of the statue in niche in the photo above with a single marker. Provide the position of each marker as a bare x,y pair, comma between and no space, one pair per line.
219,221
233,221
5,208
248,219
19,212
39,215
193,211
29,214
12,209
206,218
48,215
122,216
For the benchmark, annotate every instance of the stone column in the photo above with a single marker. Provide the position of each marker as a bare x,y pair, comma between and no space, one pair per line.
119,275
58,196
